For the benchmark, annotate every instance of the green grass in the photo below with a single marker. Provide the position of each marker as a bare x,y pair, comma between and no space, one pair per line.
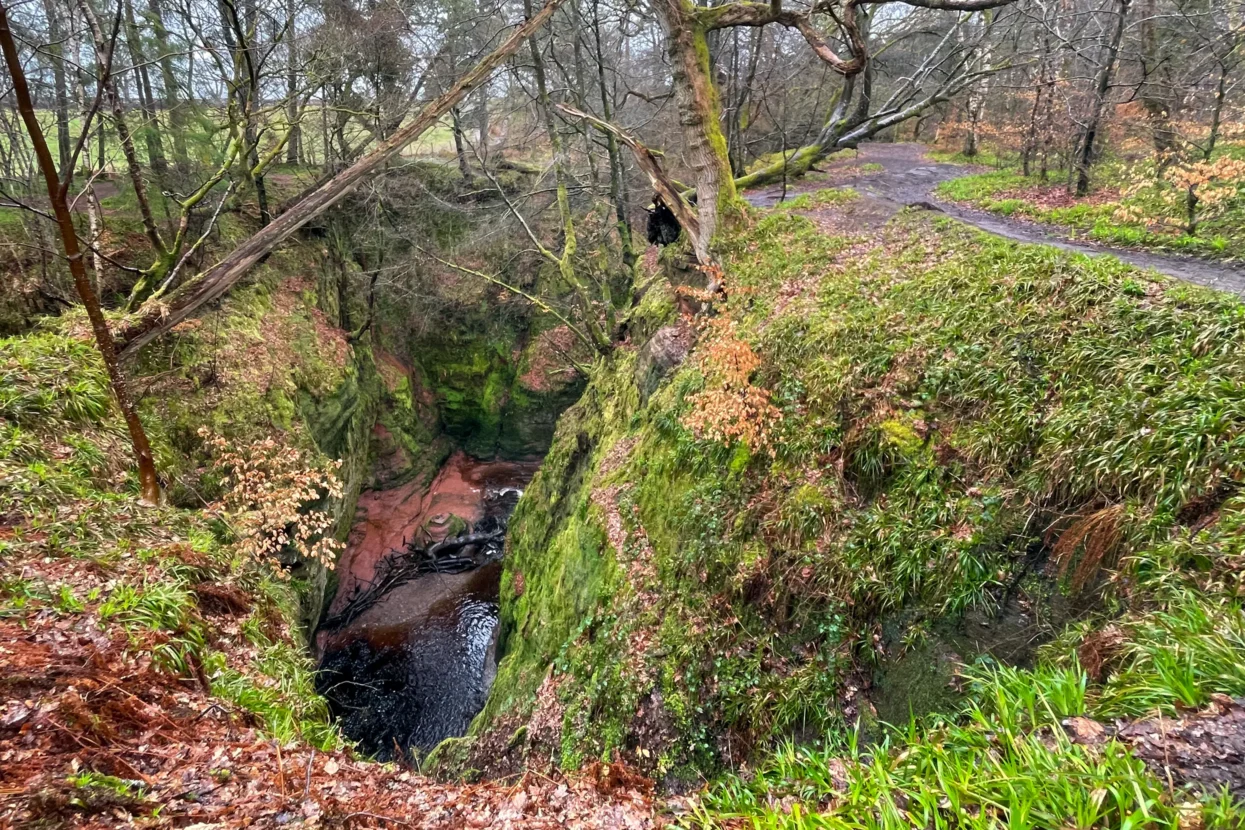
984,157
946,397
1005,762
825,197
84,550
1218,237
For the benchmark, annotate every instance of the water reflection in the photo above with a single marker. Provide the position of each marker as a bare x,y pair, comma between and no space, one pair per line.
415,667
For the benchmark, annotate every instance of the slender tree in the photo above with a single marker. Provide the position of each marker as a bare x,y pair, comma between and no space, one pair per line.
58,192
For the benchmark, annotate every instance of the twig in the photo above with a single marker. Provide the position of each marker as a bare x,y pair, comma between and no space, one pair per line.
377,816
537,301
310,766
197,244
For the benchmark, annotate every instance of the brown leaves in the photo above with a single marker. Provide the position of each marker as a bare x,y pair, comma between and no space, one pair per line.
270,487
732,408
1205,188
194,759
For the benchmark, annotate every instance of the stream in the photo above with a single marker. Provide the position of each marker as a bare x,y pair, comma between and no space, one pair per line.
412,665
907,177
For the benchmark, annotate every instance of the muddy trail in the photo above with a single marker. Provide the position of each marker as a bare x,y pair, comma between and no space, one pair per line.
909,178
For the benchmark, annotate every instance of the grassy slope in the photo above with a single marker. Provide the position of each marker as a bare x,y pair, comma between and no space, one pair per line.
947,400
67,490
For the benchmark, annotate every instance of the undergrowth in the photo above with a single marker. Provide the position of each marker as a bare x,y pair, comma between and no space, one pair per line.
1136,221
76,544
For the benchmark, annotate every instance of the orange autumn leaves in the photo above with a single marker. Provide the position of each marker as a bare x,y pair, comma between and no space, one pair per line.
268,503
731,408
1207,187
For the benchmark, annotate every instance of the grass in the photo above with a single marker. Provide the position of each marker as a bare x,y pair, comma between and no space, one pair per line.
822,198
76,544
1004,759
951,404
984,157
1004,762
1218,237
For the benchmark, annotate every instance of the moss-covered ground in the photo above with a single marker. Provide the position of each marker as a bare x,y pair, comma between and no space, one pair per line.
967,429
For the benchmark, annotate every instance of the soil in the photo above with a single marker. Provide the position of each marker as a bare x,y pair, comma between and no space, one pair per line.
908,179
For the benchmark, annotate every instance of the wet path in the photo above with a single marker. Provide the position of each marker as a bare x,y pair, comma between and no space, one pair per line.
908,178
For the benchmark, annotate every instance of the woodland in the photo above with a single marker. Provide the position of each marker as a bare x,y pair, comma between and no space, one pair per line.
622,414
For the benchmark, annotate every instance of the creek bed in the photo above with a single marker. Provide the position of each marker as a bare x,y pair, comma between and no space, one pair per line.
415,665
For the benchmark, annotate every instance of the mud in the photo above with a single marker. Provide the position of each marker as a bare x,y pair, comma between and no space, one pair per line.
909,178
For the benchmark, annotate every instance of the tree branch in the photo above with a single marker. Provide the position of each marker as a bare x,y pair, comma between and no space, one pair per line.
156,318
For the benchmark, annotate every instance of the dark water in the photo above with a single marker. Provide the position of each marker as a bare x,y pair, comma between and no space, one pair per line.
416,667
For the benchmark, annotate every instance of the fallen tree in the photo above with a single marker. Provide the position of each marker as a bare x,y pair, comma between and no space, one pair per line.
157,317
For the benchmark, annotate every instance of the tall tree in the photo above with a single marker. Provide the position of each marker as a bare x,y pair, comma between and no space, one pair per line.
1113,37
218,279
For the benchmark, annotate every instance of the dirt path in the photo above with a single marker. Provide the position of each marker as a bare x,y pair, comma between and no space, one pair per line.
908,177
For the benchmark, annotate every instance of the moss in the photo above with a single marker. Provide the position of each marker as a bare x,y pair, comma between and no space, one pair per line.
902,436
941,398
451,756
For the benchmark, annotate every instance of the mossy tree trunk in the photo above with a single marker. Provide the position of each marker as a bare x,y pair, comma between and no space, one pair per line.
705,150
846,127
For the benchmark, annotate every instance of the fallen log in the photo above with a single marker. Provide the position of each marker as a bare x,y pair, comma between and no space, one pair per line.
157,317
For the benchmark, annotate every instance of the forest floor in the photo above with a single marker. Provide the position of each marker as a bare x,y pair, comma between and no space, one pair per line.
141,685
893,176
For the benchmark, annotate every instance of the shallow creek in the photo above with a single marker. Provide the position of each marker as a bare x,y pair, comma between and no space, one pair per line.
414,666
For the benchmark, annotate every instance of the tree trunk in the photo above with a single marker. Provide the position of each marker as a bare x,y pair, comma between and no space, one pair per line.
218,279
618,173
293,146
56,53
600,335
849,112
168,79
460,148
1085,155
103,56
1031,134
146,101
704,146
1156,90
148,480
